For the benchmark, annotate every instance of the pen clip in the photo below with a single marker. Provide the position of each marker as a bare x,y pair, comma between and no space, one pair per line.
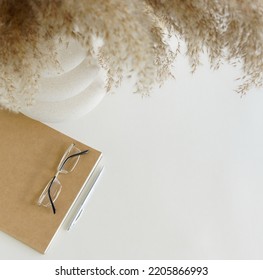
76,219
79,214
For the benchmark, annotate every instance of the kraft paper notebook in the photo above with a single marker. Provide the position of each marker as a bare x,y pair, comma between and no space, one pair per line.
30,153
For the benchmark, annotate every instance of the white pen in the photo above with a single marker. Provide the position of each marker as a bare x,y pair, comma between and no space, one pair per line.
82,206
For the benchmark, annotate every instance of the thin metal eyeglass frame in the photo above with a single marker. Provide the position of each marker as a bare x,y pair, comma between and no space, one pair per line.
60,171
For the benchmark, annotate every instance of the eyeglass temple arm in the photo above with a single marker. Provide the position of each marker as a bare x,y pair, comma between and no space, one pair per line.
49,195
74,155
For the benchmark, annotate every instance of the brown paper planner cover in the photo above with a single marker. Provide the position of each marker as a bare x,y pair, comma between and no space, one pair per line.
30,152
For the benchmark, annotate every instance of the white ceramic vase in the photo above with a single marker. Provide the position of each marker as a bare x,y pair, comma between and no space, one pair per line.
71,92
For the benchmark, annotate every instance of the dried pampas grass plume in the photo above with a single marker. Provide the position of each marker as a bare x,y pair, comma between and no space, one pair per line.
133,36
229,30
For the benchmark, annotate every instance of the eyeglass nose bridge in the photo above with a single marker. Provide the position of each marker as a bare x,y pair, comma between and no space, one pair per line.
57,174
61,171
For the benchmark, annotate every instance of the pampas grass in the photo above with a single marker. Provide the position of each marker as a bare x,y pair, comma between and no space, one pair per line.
133,37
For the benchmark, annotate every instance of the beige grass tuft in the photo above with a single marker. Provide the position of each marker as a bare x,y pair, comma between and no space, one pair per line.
133,35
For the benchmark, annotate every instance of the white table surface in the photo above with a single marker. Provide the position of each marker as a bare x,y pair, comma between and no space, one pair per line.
183,174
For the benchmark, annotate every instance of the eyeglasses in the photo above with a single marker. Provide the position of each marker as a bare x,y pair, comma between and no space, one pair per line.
67,164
